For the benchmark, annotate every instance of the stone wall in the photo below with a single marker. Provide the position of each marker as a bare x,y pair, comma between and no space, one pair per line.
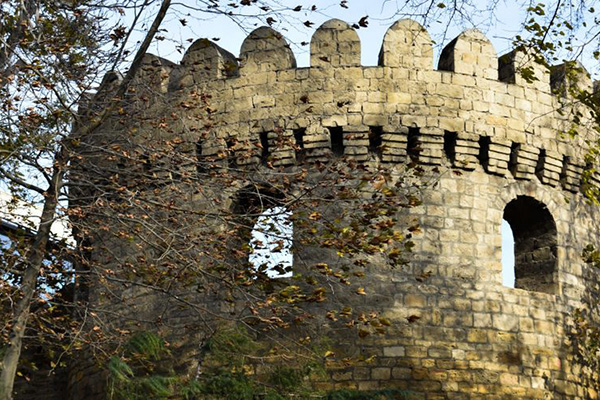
485,139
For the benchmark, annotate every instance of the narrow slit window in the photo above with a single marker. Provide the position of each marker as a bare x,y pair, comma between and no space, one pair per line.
413,144
337,141
264,143
450,139
376,141
484,151
271,243
563,172
539,167
200,159
231,161
299,141
513,158
535,244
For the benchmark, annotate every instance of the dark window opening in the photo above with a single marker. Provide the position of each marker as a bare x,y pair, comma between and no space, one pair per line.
299,139
484,151
376,141
337,141
563,171
413,144
535,241
231,161
255,199
264,143
539,167
450,139
514,156
200,160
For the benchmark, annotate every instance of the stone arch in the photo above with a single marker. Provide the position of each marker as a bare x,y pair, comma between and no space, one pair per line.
535,235
255,198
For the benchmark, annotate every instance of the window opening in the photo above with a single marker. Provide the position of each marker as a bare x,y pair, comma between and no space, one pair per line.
535,241
376,141
299,139
200,160
450,139
337,141
563,172
514,156
231,162
264,143
413,144
271,243
539,167
508,255
484,151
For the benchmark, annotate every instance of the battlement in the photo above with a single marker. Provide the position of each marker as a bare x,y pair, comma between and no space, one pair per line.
475,110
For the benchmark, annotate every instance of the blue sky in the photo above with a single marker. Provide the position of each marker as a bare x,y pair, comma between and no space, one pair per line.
381,15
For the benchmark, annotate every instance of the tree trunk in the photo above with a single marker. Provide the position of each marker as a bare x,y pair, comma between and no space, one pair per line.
37,252
33,263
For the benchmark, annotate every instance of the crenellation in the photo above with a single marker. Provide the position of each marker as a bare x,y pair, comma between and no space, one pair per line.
204,60
406,44
524,69
334,44
151,81
265,50
471,53
568,76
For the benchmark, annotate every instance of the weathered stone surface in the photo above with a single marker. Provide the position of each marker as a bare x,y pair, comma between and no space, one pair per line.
471,53
335,43
484,149
406,44
265,50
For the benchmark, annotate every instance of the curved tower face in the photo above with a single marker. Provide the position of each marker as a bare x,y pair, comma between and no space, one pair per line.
480,142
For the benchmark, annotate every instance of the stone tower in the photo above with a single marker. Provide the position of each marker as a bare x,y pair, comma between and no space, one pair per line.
493,146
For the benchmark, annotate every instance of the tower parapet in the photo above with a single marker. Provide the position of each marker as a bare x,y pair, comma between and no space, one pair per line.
473,94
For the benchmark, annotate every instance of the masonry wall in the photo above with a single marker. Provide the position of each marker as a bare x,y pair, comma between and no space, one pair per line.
483,137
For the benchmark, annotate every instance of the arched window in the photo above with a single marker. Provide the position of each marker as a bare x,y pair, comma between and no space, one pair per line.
264,230
271,243
534,233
